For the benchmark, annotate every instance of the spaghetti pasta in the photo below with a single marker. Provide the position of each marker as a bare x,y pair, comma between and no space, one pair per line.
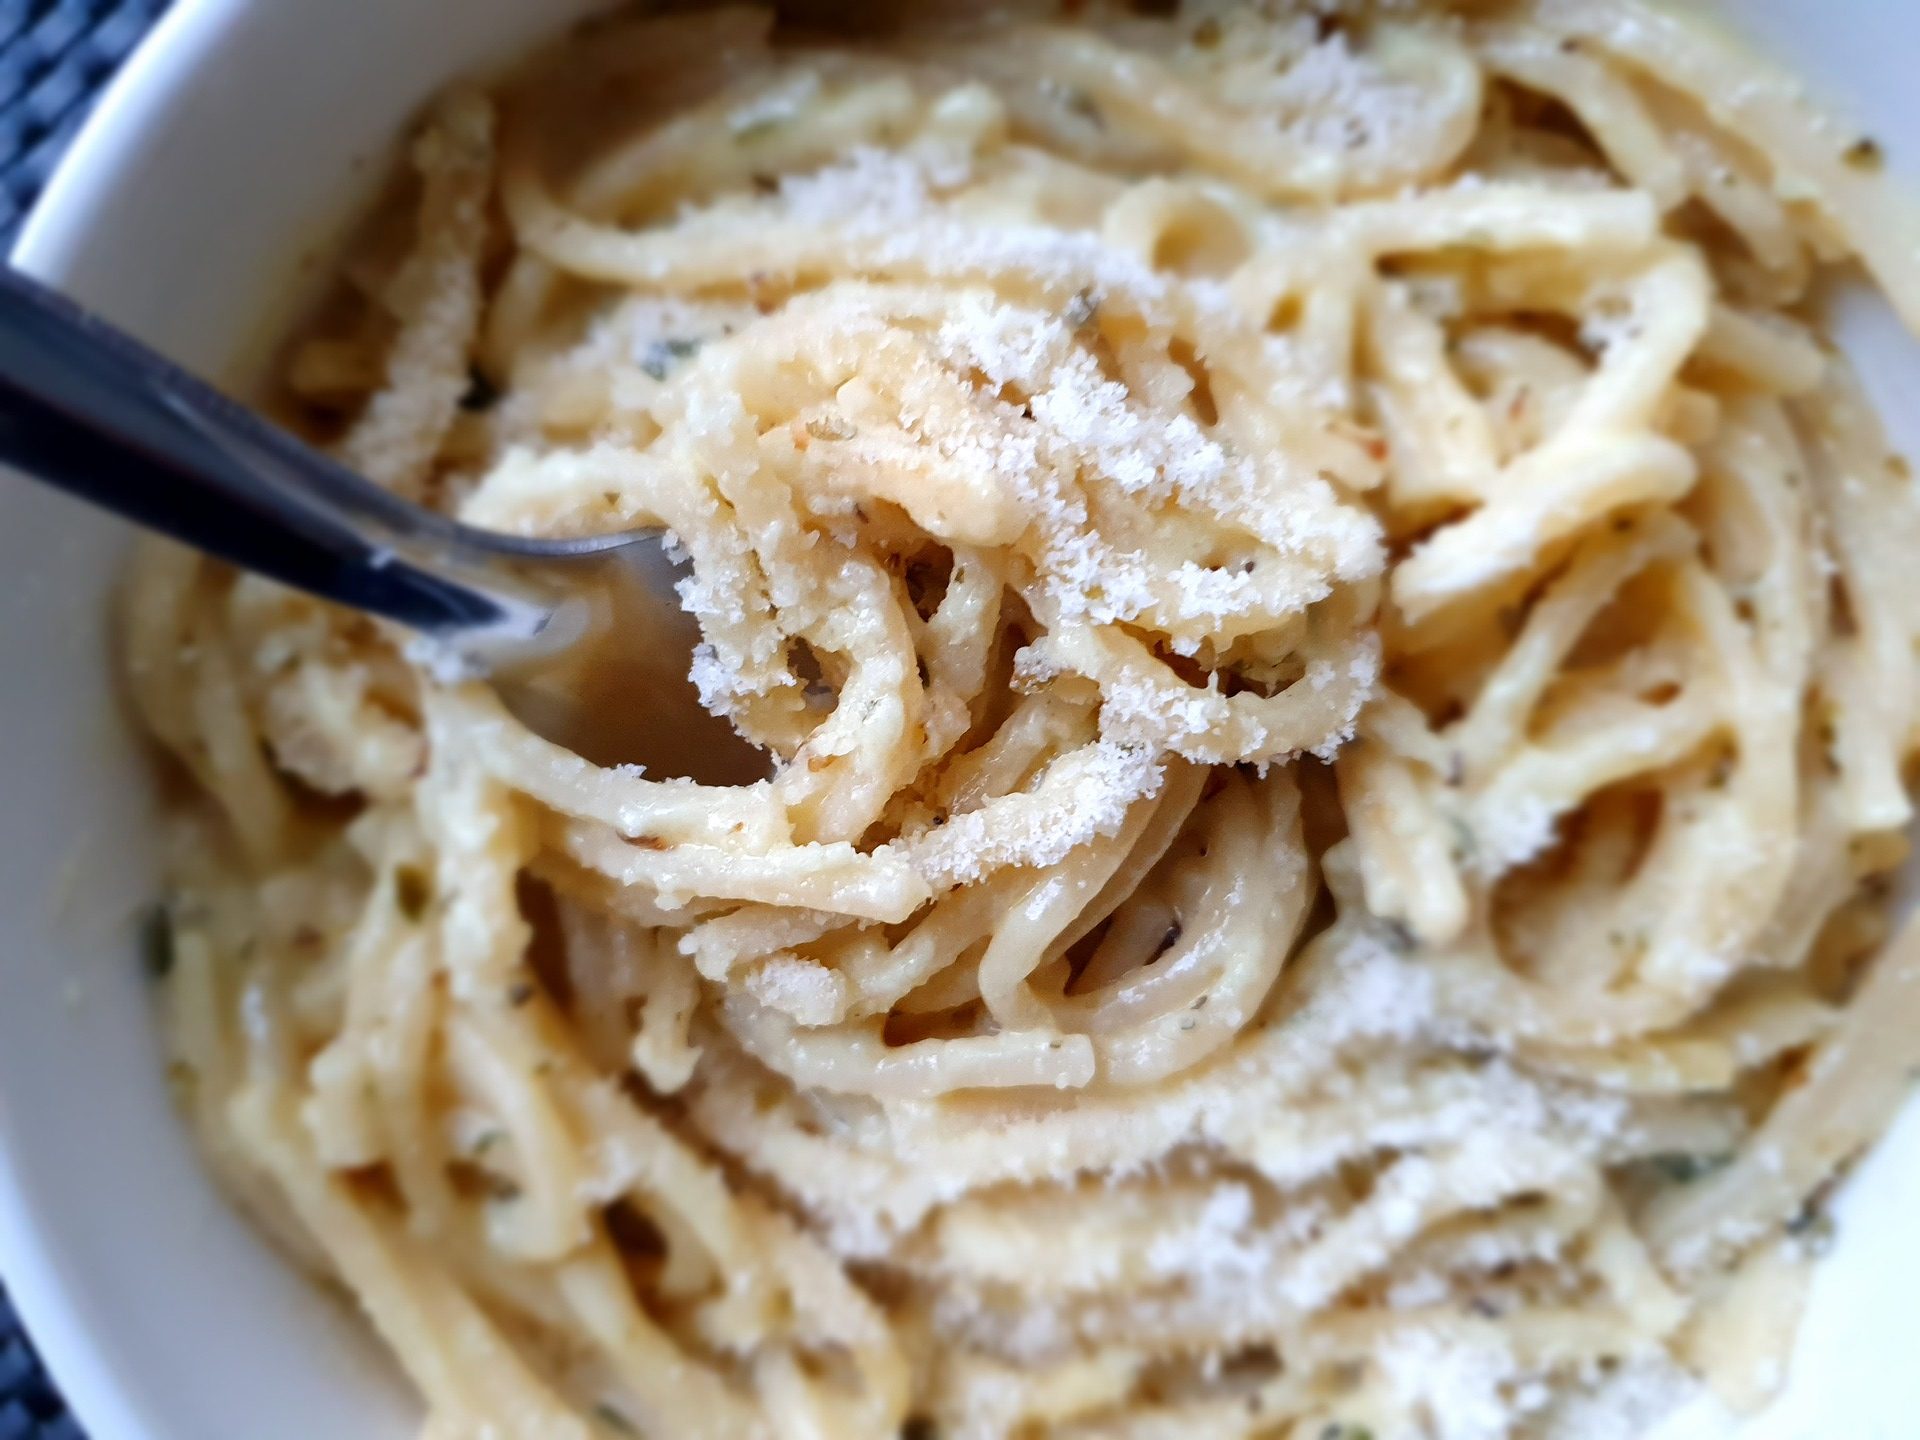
1338,658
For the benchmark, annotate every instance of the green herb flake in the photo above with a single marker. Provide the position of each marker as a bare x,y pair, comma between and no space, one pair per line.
1634,942
502,1189
1466,845
1865,154
831,427
1075,101
758,128
1682,1168
662,355
156,943
1341,1430
1813,1227
1083,309
183,1084
412,892
613,1419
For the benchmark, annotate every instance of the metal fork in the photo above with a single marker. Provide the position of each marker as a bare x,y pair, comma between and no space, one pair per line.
583,638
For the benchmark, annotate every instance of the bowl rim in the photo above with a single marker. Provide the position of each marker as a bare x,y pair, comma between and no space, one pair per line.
177,47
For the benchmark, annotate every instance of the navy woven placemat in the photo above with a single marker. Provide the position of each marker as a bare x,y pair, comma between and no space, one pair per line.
30,1408
54,57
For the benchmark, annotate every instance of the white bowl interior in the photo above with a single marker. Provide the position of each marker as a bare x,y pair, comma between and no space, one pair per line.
238,137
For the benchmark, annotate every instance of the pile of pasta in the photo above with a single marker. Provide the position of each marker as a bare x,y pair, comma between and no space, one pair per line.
1336,652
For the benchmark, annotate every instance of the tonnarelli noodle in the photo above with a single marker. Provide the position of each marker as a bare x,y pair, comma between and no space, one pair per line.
1339,658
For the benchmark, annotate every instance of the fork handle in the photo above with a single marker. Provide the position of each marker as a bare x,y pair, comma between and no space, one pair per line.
87,409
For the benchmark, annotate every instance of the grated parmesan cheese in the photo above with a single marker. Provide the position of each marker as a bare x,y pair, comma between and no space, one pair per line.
1082,796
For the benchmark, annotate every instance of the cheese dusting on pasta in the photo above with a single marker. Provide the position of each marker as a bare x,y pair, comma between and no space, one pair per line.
1337,654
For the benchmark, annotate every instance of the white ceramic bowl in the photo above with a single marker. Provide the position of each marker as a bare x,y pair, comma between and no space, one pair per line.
222,158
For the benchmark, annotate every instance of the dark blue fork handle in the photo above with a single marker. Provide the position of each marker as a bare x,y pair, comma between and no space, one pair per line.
89,410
